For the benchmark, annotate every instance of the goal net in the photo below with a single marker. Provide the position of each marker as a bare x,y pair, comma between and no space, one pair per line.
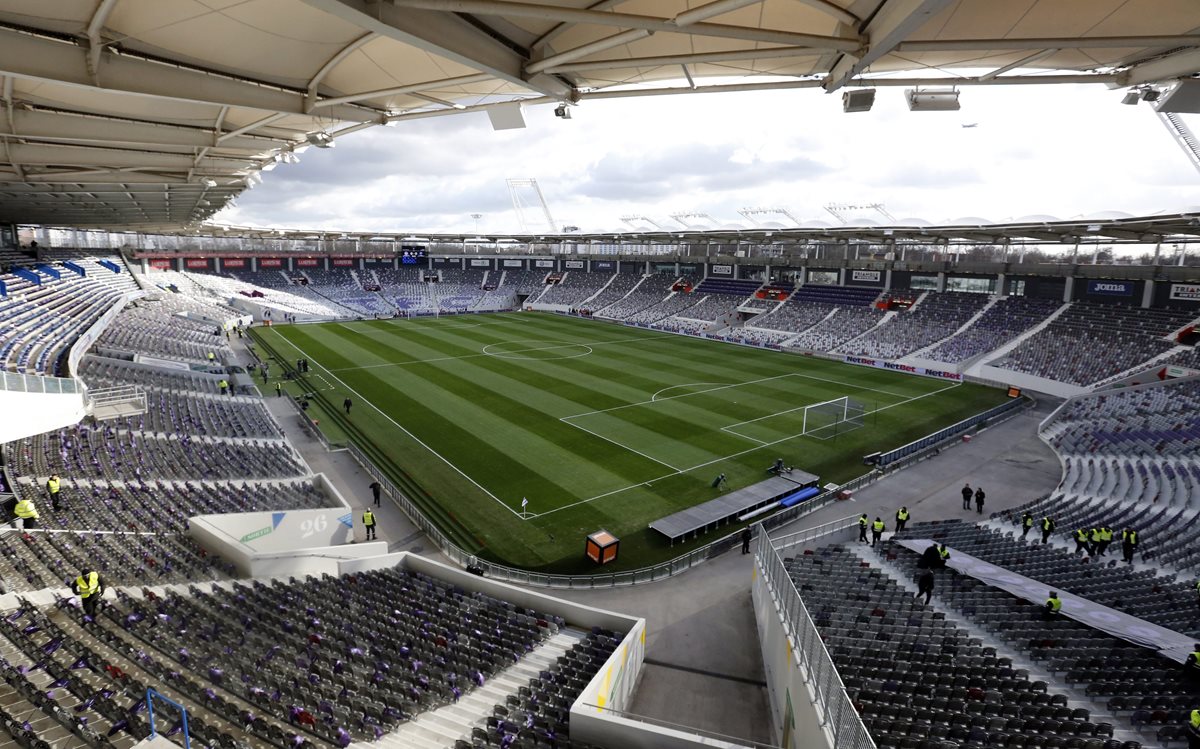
831,418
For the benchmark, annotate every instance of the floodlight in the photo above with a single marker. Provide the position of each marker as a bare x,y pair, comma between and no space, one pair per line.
858,101
1131,97
320,139
562,112
1150,94
932,100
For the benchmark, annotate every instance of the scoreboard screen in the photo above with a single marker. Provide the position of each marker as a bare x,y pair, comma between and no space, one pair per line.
411,255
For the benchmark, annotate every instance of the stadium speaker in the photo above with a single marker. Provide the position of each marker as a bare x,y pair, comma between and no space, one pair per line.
860,100
507,117
932,100
1184,98
871,459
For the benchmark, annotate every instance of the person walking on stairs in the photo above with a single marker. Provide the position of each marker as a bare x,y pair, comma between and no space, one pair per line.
1026,524
26,513
925,586
1047,528
90,590
1081,540
53,487
1129,542
877,529
1192,729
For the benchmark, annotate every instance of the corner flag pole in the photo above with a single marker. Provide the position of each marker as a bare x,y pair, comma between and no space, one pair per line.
524,504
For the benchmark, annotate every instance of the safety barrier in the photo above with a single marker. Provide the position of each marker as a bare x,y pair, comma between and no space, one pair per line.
828,692
23,383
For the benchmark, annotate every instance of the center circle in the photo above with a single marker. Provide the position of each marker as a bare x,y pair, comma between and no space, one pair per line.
536,350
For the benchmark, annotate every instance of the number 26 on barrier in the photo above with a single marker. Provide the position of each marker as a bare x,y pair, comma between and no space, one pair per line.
309,526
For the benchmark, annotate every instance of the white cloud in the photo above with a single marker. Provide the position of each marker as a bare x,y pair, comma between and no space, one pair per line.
1058,150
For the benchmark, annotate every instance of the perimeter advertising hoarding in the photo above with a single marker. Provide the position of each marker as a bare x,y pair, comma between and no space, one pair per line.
1110,288
721,270
598,265
344,262
161,264
233,262
573,264
866,276
895,367
513,263
480,263
197,263
307,262
270,262
549,264
1188,292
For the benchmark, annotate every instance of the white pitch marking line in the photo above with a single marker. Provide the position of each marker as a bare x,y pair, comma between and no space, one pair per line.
410,434
618,444
733,455
684,385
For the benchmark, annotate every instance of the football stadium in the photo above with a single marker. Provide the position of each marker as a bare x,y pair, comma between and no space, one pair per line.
368,457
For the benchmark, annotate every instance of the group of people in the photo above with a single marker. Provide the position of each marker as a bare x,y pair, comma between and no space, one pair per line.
1047,526
1094,542
878,526
977,494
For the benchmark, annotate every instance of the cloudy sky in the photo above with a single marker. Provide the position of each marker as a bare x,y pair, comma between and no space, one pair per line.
1057,150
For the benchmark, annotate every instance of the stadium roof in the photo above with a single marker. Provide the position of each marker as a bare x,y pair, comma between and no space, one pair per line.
155,113
1181,228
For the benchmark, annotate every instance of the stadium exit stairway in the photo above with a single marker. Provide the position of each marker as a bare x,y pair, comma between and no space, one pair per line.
440,728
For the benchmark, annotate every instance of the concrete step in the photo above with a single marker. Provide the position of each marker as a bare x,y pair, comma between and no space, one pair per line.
441,727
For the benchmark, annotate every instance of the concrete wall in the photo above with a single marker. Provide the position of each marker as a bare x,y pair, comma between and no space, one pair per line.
262,544
1031,382
794,720
26,414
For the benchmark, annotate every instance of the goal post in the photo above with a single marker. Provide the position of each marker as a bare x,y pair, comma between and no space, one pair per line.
829,418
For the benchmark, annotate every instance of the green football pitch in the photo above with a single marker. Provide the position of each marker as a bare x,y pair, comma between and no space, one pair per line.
596,425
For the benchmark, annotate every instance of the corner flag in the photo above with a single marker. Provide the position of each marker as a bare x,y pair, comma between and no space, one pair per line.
524,503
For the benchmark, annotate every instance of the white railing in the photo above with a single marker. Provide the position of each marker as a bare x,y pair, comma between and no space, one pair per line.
830,700
119,400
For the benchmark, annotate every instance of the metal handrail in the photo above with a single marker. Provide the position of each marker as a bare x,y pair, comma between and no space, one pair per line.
830,700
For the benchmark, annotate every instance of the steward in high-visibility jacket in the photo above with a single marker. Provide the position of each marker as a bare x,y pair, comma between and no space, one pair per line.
863,522
901,518
26,512
90,590
1053,605
1026,524
369,523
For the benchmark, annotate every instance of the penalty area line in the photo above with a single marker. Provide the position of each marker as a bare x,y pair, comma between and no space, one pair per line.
733,455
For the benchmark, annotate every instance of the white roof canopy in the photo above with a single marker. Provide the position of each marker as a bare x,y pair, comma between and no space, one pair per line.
155,113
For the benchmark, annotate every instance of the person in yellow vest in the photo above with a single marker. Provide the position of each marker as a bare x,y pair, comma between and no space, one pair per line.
369,523
1053,606
1106,538
901,518
1047,528
943,554
1081,540
1192,730
877,529
90,590
212,358
26,513
1129,542
53,487
224,385
1026,524
862,532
